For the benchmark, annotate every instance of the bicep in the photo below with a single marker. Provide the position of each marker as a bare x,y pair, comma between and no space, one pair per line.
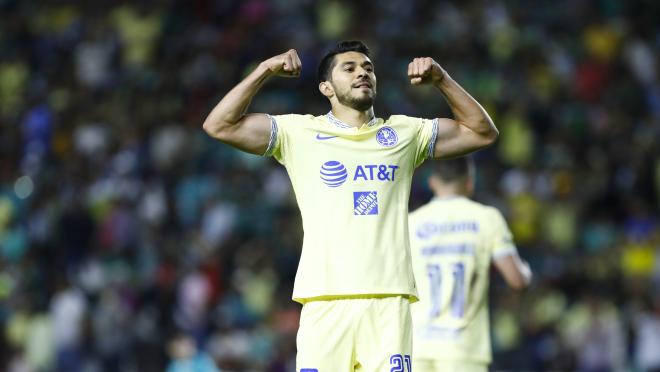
250,134
454,139
515,271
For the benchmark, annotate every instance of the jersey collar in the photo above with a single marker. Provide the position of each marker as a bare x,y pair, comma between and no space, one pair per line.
447,198
333,119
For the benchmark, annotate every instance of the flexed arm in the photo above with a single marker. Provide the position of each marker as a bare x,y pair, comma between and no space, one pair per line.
228,122
471,128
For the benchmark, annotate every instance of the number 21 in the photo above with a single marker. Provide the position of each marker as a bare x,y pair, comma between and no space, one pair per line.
400,363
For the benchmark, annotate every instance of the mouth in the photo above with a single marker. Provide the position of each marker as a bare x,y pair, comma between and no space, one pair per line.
363,84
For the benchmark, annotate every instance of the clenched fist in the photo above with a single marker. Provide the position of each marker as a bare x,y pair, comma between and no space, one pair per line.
424,71
286,64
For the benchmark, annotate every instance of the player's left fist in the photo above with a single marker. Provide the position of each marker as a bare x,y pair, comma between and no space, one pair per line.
425,70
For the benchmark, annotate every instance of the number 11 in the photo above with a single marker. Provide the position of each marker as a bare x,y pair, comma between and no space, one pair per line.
457,299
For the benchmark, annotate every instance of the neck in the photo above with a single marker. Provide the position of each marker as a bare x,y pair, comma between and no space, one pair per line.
449,191
351,116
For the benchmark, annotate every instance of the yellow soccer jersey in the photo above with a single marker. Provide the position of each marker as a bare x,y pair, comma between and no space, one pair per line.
452,244
352,186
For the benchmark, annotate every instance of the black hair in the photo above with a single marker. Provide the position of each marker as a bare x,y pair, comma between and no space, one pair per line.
328,61
454,170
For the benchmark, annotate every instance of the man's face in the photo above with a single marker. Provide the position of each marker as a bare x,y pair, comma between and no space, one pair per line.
354,81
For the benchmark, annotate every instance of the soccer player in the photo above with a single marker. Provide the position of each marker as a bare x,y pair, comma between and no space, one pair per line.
351,173
453,242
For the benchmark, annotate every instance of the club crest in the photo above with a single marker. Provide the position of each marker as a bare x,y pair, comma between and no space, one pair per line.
387,137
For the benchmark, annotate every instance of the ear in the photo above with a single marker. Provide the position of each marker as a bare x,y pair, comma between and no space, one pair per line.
326,89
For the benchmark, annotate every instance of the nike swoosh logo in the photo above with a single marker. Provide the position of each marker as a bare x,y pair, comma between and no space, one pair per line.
320,137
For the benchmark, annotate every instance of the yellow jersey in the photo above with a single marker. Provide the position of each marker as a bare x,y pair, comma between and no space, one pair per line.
352,187
453,241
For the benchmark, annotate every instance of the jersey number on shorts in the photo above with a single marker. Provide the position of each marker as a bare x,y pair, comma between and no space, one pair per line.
457,298
400,363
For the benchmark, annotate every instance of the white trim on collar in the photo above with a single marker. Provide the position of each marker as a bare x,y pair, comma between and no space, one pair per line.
333,119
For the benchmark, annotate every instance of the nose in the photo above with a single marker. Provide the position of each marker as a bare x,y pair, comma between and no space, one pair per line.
361,72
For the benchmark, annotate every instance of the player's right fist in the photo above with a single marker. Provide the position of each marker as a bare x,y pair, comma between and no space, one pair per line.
286,64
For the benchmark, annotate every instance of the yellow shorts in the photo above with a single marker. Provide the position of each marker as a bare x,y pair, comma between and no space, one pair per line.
433,365
356,334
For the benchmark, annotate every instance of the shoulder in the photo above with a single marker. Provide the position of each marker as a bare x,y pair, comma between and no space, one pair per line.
403,120
492,218
420,212
491,212
416,212
482,210
475,209
295,118
293,123
411,126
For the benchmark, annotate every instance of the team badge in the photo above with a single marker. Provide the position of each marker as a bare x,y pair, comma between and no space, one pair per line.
387,137
333,173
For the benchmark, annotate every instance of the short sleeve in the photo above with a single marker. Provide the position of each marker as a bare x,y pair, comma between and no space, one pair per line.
427,133
272,143
280,136
501,239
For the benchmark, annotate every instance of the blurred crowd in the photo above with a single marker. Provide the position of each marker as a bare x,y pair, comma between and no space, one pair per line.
131,241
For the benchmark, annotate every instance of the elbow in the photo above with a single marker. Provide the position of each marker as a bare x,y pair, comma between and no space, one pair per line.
209,128
490,137
521,282
214,130
484,132
519,285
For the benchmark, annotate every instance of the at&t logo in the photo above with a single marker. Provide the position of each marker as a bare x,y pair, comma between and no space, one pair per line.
333,173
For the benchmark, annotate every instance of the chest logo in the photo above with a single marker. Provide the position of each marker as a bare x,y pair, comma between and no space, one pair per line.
365,203
333,173
387,137
322,137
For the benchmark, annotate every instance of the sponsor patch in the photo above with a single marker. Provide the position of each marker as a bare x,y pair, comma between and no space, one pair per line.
365,203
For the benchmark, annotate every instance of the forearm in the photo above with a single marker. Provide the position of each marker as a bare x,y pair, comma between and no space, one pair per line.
467,111
516,272
526,272
233,106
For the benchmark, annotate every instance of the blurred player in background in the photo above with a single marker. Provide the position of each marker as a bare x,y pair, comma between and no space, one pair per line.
351,172
453,242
